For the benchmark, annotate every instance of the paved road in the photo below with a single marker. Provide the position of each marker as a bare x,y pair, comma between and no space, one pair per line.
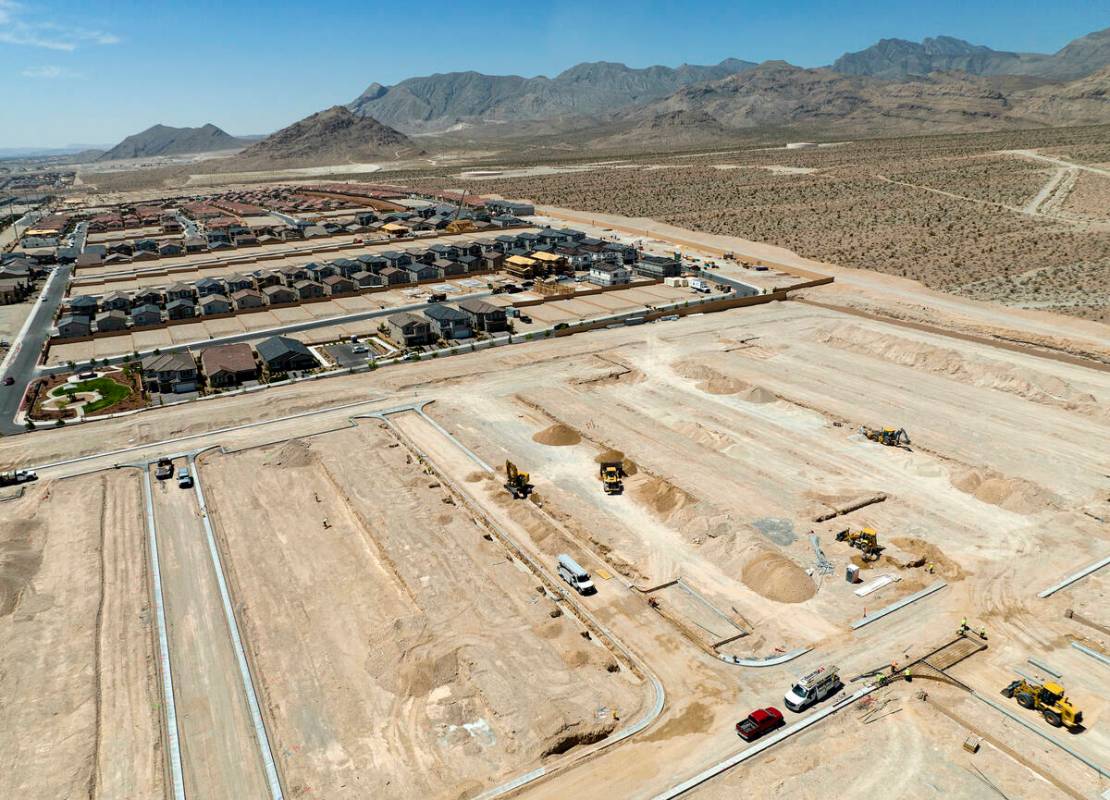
279,331
25,352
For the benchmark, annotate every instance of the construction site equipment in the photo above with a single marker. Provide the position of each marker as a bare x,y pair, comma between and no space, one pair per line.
164,470
823,682
866,540
18,476
516,481
461,226
888,436
611,474
1049,698
574,574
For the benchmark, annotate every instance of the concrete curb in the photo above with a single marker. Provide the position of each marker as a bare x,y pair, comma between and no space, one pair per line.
1092,653
770,661
905,601
1083,573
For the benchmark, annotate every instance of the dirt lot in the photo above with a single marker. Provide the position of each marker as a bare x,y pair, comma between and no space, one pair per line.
435,664
946,210
80,715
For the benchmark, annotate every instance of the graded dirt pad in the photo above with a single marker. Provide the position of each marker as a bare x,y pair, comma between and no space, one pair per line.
436,668
80,715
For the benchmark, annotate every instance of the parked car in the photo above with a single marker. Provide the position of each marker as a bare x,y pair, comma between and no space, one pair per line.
573,573
818,685
9,380
184,479
758,723
360,348
165,469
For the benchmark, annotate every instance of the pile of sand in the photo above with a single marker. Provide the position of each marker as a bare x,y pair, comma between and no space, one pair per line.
776,577
627,464
1013,494
558,435
711,381
661,496
293,453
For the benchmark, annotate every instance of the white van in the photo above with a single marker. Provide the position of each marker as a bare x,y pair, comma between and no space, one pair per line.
823,682
571,572
184,479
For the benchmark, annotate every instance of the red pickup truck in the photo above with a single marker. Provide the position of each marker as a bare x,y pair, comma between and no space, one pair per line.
758,723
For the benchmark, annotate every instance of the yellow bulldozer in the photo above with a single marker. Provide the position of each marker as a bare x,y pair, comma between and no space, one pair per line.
888,436
611,474
1048,698
866,540
516,481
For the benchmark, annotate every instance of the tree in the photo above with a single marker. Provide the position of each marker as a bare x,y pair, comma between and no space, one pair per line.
60,423
29,424
71,364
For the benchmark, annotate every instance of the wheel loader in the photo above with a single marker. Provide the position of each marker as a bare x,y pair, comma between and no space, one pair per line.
866,540
516,481
888,436
1048,698
611,474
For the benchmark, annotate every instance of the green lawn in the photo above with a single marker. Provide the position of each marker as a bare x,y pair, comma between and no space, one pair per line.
110,393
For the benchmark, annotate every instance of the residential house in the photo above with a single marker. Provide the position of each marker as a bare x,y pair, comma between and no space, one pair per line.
209,286
484,316
307,290
317,272
71,326
346,267
111,321
143,255
391,276
444,251
421,272
215,304
229,364
493,260
144,245
470,263
146,297
445,268
575,258
180,309
195,244
167,249
170,372
264,278
282,354
606,274
337,284
293,273
448,322
365,280
239,282
120,249
657,267
145,315
115,301
181,291
373,264
247,298
83,305
396,259
279,295
408,329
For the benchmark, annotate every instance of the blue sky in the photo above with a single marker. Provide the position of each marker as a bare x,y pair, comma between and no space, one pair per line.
95,71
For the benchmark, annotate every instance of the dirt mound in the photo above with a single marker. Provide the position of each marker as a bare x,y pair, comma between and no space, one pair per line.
776,577
294,453
978,371
1013,494
558,435
711,381
661,496
20,560
922,554
576,734
628,465
477,476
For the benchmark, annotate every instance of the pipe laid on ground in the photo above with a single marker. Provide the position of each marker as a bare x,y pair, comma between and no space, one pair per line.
174,744
905,601
1092,653
1083,573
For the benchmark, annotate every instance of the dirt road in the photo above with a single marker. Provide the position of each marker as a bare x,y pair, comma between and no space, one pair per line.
219,749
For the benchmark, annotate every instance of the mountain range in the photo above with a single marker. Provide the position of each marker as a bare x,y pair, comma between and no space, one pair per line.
162,140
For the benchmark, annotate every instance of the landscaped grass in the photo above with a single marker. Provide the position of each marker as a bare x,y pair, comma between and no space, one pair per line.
110,393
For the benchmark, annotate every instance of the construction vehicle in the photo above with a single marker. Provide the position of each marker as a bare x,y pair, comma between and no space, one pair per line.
164,470
611,474
18,476
888,436
1048,698
516,481
866,540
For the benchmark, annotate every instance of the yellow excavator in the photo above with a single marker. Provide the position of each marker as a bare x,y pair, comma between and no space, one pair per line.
888,436
866,540
1048,698
516,481
611,474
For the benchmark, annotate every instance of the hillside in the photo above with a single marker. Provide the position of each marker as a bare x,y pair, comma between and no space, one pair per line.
162,140
438,102
898,58
777,94
334,136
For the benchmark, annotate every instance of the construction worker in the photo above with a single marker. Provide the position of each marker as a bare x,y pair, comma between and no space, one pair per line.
963,626
983,633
